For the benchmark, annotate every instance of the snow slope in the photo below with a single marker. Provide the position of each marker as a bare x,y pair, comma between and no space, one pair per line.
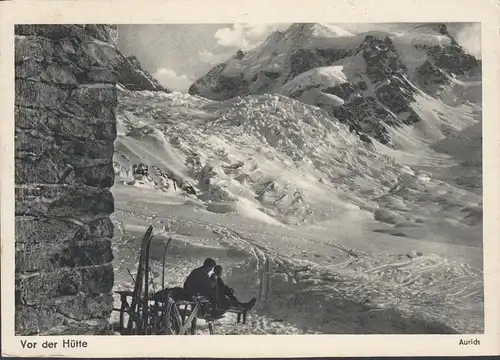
367,233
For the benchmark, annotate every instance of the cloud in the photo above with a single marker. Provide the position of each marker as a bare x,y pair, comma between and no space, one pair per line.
211,58
234,37
173,81
469,37
245,36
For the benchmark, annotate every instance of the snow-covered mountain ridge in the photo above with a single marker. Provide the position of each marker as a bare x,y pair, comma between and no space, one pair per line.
281,161
370,81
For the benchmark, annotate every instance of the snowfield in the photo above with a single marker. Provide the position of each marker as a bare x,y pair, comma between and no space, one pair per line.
332,235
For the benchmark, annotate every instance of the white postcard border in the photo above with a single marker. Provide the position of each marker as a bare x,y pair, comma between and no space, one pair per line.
259,11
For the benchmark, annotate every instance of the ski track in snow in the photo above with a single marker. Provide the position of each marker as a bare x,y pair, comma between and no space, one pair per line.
361,284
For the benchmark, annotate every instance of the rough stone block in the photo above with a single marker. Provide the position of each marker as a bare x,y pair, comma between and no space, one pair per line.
65,48
53,232
44,144
48,73
34,320
100,175
95,74
82,307
97,149
29,171
65,126
64,170
42,157
40,95
40,288
54,201
94,101
36,142
51,257
84,101
102,228
31,231
72,315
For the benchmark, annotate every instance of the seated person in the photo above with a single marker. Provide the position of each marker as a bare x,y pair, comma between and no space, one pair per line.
206,281
200,282
225,294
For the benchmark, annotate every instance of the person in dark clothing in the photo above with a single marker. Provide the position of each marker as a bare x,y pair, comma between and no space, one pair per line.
225,294
201,282
206,281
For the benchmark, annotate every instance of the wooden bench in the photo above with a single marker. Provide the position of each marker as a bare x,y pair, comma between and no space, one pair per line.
125,306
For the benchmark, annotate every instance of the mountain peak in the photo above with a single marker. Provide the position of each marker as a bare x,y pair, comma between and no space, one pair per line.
439,28
319,30
132,76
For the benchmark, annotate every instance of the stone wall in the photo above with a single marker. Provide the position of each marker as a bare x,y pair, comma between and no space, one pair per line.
64,134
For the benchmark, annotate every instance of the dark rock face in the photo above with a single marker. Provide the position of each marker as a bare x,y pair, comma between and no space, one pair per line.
64,134
132,76
303,60
393,92
431,78
381,58
453,59
395,95
240,54
368,116
364,116
343,91
234,85
444,61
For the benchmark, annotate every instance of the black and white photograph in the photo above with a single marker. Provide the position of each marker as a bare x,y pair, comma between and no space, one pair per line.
245,179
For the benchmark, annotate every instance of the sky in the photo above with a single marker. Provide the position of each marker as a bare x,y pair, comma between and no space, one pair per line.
178,54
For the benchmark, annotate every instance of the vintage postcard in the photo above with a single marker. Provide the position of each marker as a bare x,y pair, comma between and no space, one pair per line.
272,178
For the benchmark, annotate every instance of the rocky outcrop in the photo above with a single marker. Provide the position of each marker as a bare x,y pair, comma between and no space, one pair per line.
444,62
389,102
431,78
394,95
303,60
217,86
64,133
133,77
